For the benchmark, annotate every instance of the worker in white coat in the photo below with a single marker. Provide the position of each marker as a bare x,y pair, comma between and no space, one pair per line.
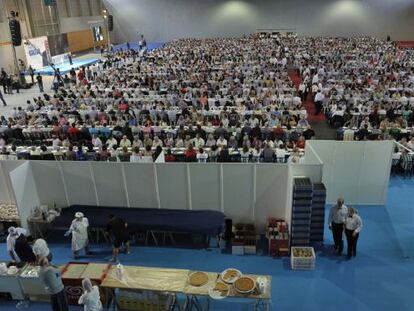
90,298
353,226
79,231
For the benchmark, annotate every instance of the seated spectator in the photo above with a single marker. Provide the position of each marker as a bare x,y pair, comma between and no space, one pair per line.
80,156
125,142
104,154
124,155
202,156
224,155
190,154
268,154
214,153
169,157
245,154
135,156
70,155
147,156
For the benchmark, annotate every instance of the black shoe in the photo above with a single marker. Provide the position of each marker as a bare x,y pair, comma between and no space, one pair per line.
349,257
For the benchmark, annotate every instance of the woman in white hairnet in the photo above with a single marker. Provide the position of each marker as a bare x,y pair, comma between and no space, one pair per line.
79,231
90,298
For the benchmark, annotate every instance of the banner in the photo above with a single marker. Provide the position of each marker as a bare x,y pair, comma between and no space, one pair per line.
37,52
60,59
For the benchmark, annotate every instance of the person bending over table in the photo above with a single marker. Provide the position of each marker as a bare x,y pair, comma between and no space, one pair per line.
14,234
336,220
118,230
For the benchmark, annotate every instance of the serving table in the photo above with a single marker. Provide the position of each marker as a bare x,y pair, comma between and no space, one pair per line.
173,282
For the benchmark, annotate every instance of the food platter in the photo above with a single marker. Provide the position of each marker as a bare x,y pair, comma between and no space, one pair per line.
198,278
219,291
230,275
244,285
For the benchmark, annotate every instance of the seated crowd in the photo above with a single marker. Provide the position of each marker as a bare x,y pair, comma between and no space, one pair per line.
362,84
201,98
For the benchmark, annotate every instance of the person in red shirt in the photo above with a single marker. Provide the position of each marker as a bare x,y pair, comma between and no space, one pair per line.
73,130
301,143
169,157
190,154
81,75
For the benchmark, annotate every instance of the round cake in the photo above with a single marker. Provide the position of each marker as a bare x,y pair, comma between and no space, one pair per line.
244,285
198,278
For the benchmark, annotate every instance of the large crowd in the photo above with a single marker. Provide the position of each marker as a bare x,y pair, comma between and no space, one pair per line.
212,99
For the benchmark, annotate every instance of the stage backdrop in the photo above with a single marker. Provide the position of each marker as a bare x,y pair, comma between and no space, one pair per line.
37,52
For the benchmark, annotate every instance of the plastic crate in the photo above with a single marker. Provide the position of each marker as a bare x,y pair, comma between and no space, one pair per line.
302,263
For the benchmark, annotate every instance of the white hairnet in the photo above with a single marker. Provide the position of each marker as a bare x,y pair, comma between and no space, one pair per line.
87,284
12,230
40,248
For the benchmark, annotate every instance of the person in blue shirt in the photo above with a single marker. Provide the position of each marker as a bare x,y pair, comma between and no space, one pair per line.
80,156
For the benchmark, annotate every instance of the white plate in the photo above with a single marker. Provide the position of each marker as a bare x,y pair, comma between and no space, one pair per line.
216,294
246,291
230,281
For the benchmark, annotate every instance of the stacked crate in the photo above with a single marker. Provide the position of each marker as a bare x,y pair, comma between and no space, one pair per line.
244,239
301,212
318,214
278,237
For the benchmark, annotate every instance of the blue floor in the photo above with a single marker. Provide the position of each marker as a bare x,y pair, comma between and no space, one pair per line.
66,67
381,277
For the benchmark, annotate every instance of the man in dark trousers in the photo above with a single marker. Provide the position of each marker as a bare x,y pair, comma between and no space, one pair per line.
118,230
2,99
336,221
39,80
52,280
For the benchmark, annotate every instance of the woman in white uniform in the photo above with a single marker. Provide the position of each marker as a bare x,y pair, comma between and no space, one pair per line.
79,231
90,298
353,226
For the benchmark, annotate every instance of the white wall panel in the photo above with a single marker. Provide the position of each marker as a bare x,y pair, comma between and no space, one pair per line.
7,189
205,186
238,191
357,171
141,184
373,175
109,183
49,184
173,185
271,192
79,183
24,187
312,171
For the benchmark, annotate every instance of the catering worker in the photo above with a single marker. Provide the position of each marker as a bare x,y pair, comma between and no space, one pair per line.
118,230
52,281
90,298
353,226
41,250
79,231
13,235
336,221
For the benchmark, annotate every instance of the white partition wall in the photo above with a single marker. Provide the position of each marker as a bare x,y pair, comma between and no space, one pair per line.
6,188
244,192
357,171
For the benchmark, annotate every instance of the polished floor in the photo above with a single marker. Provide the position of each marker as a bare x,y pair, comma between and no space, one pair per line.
380,278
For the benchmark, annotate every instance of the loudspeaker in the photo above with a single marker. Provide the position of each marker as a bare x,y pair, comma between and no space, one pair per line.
110,22
15,32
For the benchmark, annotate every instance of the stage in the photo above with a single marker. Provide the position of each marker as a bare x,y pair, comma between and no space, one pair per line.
92,58
64,68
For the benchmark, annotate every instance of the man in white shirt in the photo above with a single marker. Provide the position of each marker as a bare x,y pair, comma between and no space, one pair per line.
198,142
125,142
14,233
319,97
353,226
336,221
111,141
97,142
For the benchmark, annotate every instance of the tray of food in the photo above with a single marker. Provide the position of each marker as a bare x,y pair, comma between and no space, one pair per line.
230,275
198,278
219,291
244,285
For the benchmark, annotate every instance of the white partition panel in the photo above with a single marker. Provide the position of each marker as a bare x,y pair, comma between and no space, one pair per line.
357,171
271,192
312,171
6,189
205,186
49,183
375,172
173,185
24,187
238,193
109,183
140,184
79,183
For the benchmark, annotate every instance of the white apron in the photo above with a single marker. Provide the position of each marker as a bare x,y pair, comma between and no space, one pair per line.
79,231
